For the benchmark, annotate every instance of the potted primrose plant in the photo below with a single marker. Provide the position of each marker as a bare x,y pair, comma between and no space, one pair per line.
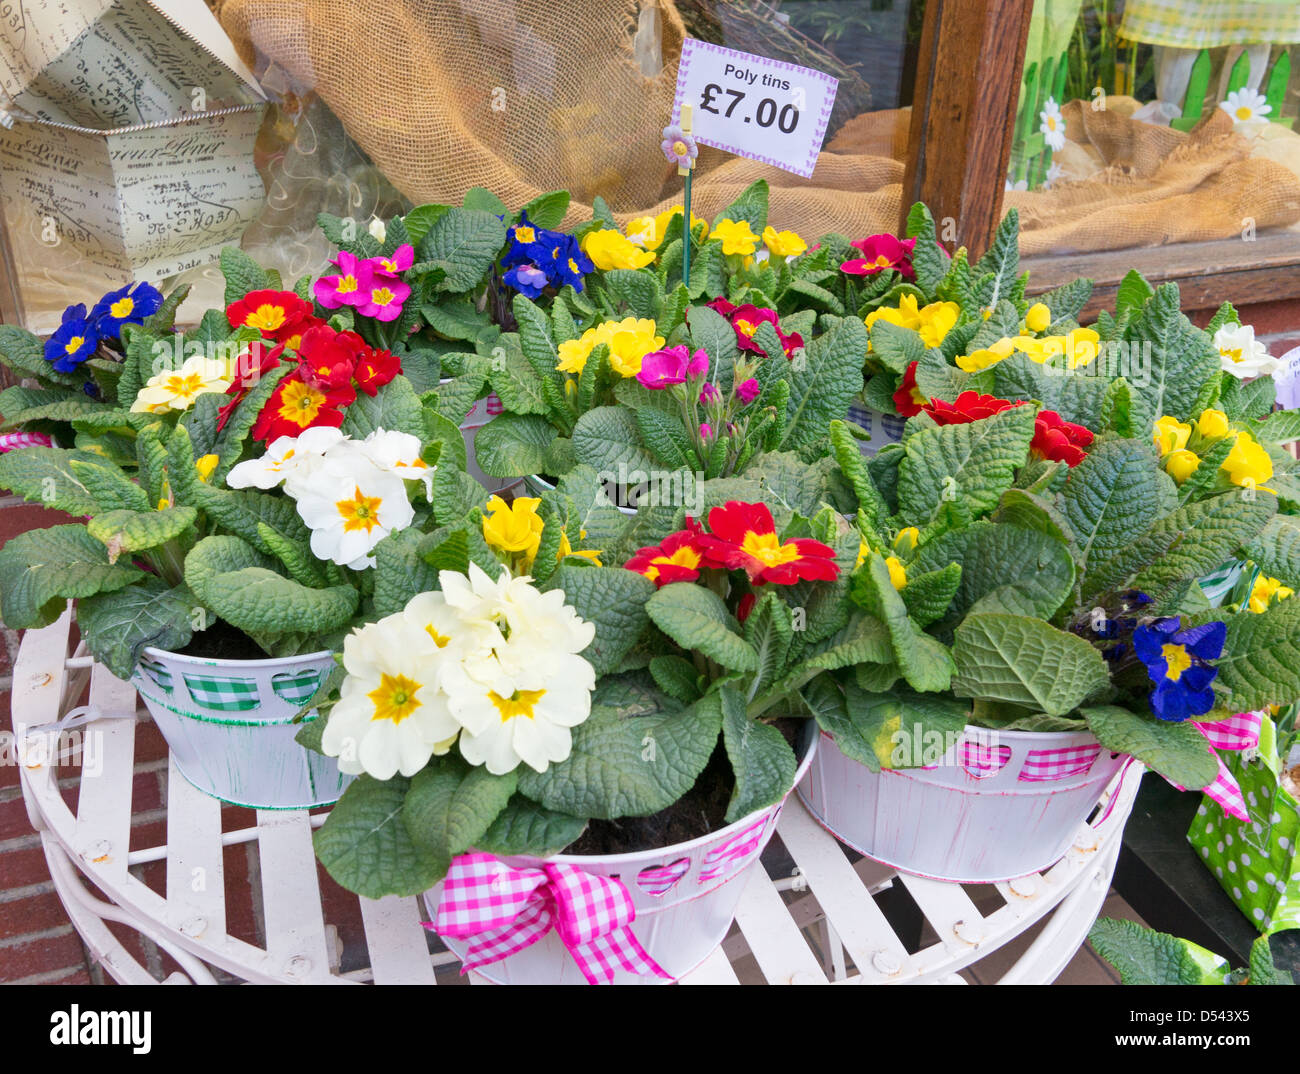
248,470
583,734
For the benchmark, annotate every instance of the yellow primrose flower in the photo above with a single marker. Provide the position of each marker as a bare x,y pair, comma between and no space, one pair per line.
1038,317
1247,463
567,549
933,322
608,249
575,352
629,340
736,236
906,540
1264,590
897,572
1213,424
1080,347
666,217
205,466
783,243
515,527
177,390
1170,434
641,230
982,359
1180,464
864,550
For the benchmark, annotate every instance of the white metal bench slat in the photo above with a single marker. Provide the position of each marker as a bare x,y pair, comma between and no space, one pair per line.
714,970
104,804
196,873
775,941
291,903
857,919
946,907
396,940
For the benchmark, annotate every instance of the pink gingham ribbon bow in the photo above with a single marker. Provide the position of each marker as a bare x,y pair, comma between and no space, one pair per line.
14,441
1240,732
501,911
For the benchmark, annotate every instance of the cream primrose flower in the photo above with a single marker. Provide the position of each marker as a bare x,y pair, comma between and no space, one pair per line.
290,459
473,644
1248,108
1053,124
350,507
391,715
399,453
177,389
1241,354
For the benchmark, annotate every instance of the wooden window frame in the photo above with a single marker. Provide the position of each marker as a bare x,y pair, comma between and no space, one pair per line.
966,95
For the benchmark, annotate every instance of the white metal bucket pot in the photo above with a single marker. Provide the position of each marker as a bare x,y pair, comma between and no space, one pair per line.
230,726
998,805
535,485
483,411
885,429
685,897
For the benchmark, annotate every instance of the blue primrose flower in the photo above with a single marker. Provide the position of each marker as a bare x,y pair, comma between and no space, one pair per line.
1176,662
75,340
528,280
563,260
524,245
127,305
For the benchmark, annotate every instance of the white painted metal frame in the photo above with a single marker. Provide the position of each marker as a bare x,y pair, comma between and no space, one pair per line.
830,901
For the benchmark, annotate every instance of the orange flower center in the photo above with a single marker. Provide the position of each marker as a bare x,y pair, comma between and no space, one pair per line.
520,703
767,549
347,284
301,403
360,513
266,318
746,327
394,698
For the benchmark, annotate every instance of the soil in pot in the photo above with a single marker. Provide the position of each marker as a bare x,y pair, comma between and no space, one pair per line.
698,812
221,641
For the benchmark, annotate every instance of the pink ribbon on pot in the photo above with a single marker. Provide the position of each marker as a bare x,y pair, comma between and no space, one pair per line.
737,848
14,441
501,911
1239,732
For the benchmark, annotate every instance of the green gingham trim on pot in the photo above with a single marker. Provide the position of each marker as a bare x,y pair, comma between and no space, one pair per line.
1218,583
297,687
223,695
159,674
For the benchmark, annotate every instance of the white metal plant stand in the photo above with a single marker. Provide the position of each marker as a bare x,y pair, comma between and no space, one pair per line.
827,926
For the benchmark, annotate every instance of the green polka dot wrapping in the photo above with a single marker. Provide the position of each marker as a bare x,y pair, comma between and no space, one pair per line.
1254,861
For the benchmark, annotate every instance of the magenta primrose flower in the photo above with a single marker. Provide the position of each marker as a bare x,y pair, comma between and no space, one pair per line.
747,391
385,298
709,393
674,365
351,287
879,253
706,431
400,260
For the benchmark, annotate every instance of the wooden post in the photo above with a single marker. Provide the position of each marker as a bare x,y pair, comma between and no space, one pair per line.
963,114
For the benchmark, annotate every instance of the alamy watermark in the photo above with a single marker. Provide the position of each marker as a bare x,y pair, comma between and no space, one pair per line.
651,488
1110,359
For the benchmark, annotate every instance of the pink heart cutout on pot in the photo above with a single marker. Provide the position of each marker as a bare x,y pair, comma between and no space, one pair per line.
659,880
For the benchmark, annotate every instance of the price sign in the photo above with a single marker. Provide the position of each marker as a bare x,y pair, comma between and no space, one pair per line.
755,107
1287,379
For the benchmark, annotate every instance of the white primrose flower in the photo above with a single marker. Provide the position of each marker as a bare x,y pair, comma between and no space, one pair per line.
1248,108
350,506
1053,124
177,389
521,719
378,229
472,644
391,716
399,453
1241,354
288,459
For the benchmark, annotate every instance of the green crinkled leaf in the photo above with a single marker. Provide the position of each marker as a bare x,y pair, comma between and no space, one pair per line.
365,847
929,594
1110,499
973,462
614,600
1025,661
762,760
45,475
929,260
41,569
925,662
628,767
401,572
1262,969
239,584
547,210
137,531
450,805
1241,399
1182,356
394,407
1261,657
242,274
515,380
607,438
111,489
25,354
824,380
463,243
637,290
665,437
751,205
514,445
524,827
897,729
994,555
1133,293
118,626
1178,751
697,620
769,629
677,677
1067,300
1276,549
894,346
1142,956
